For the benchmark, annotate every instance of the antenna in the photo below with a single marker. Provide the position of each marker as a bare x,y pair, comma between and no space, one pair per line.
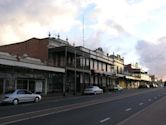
49,34
83,31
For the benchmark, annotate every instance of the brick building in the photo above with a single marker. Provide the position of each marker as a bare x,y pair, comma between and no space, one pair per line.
32,53
35,48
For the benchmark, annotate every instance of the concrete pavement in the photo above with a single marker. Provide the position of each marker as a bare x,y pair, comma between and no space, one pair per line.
154,114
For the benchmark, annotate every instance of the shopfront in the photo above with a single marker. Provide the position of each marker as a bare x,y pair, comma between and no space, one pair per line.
36,78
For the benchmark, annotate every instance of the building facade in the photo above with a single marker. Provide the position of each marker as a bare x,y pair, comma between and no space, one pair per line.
28,73
64,68
135,76
101,68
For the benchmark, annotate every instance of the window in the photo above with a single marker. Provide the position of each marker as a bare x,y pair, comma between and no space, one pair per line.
21,92
28,92
117,69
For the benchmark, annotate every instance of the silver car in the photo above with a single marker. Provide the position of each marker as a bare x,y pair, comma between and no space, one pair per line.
93,90
19,96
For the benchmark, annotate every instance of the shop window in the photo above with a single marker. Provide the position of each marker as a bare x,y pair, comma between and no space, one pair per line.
32,86
8,85
1,86
22,84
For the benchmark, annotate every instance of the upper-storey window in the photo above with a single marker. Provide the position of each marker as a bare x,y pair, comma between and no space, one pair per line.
117,70
95,65
87,62
100,66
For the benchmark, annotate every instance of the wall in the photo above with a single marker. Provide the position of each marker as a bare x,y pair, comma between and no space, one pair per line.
36,48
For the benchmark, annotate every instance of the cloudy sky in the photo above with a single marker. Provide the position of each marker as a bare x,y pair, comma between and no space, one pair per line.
135,29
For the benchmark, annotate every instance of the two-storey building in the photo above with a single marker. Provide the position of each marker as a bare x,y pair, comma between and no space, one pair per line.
55,52
135,76
70,68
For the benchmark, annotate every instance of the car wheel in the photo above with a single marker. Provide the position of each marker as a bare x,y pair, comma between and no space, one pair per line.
36,99
15,101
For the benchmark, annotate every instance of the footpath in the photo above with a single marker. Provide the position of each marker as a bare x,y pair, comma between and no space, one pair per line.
155,114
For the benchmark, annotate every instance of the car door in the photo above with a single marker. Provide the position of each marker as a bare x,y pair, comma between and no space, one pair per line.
29,96
21,96
97,89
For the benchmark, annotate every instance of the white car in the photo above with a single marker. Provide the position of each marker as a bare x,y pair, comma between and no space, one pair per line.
115,88
118,87
93,90
19,96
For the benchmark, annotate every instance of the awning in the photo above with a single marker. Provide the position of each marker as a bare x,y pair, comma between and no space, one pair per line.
30,65
132,78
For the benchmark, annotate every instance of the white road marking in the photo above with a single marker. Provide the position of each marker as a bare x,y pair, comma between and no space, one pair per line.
141,103
104,120
128,109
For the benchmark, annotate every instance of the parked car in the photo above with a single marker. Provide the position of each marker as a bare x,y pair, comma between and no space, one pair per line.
116,88
93,90
20,96
153,85
144,86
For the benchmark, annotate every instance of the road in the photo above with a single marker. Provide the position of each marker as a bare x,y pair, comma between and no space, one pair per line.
105,109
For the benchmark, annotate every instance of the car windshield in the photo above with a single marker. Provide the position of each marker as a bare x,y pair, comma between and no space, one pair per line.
90,87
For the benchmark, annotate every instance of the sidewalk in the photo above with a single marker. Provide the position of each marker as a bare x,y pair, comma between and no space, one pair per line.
59,96
155,114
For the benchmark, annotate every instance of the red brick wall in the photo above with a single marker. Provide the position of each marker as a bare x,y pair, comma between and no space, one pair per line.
36,48
132,70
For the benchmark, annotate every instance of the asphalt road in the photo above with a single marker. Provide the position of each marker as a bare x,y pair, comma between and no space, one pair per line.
109,108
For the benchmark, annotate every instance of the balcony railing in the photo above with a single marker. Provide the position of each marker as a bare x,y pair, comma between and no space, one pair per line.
78,66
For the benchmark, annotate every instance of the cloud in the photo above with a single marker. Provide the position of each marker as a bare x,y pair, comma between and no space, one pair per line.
94,40
152,55
119,28
132,2
28,18
114,25
137,17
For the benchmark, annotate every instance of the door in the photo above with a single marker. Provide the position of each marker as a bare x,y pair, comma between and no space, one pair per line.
21,95
29,96
1,86
25,96
38,86
32,86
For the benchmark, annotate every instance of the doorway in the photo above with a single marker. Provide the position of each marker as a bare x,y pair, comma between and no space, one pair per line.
1,86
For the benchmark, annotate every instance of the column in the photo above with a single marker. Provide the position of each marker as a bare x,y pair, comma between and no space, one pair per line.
65,75
75,74
46,87
28,84
15,86
4,86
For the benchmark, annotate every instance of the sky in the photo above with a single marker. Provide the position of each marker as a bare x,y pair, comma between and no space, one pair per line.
135,29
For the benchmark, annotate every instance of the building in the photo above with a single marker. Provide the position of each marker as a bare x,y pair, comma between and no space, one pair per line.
54,52
28,73
65,68
118,68
135,76
101,68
